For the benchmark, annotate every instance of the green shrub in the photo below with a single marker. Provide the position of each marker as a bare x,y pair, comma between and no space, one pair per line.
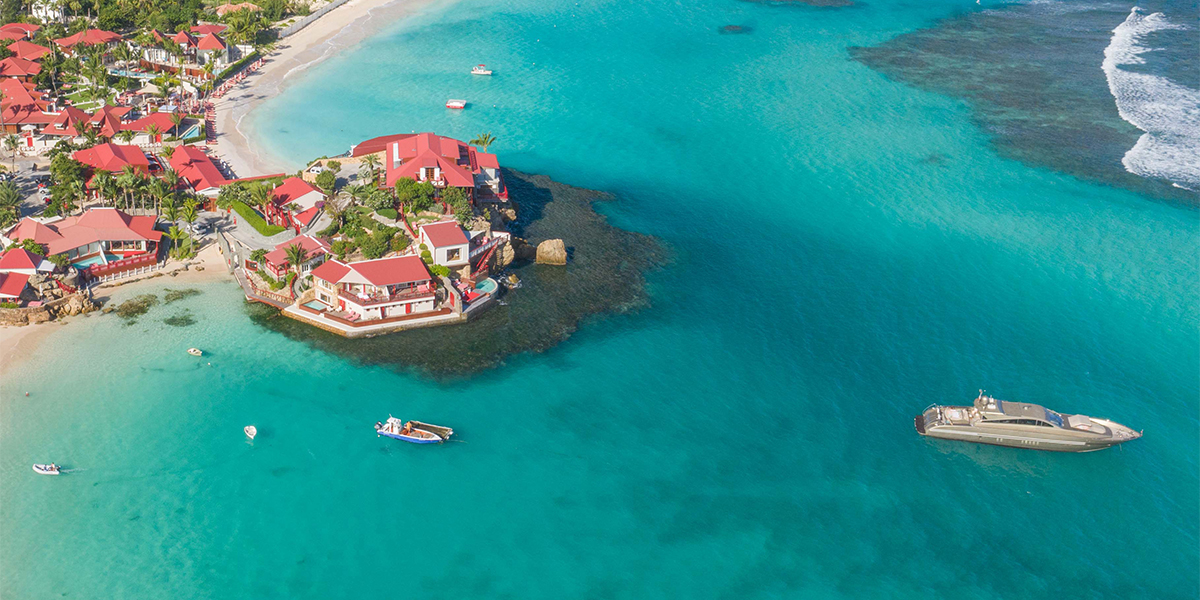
426,256
399,243
255,220
439,270
8,305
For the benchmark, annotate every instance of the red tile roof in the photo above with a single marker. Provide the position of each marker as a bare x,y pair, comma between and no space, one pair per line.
28,50
407,157
379,272
196,168
12,284
91,37
161,119
209,29
306,217
291,189
29,229
184,39
312,245
378,144
20,258
102,224
444,233
65,122
12,35
22,104
210,42
18,67
28,28
113,157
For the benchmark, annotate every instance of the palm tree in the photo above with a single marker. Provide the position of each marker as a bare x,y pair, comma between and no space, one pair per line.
371,162
126,136
258,256
260,195
176,119
483,140
154,132
175,234
11,143
296,255
167,152
104,185
170,208
10,203
126,182
191,212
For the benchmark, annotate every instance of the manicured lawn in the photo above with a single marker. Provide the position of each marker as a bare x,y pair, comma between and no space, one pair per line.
388,213
255,220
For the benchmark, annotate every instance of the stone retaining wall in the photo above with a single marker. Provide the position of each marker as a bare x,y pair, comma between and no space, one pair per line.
75,304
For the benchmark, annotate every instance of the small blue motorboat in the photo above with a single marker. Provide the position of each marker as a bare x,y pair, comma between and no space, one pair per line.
414,432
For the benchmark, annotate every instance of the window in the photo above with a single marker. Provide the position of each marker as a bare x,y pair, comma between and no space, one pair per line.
453,254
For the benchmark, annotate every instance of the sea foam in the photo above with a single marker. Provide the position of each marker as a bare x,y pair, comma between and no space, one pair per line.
1169,113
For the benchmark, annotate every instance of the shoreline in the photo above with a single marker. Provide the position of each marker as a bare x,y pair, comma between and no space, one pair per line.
17,343
342,28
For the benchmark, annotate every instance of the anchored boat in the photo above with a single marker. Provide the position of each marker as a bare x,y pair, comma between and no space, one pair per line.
456,104
251,431
50,469
481,70
1021,425
195,352
414,432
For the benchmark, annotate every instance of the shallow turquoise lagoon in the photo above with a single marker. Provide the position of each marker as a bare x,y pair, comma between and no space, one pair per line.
846,250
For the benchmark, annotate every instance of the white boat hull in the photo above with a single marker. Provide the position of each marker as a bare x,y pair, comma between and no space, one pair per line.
45,470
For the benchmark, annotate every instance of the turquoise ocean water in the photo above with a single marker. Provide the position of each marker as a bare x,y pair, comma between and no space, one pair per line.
846,250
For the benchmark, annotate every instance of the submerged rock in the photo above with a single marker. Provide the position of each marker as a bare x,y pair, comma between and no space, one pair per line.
606,274
735,29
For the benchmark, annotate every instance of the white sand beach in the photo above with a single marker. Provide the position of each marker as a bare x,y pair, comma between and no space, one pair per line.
343,27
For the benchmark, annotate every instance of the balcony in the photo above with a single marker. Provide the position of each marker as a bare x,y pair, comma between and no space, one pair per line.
417,293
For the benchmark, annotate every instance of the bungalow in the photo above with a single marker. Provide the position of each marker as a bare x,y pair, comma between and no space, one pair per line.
296,204
112,158
25,30
441,161
28,50
12,285
19,68
200,45
22,106
99,235
198,170
90,37
316,250
376,289
20,260
212,49
447,243
159,122
208,29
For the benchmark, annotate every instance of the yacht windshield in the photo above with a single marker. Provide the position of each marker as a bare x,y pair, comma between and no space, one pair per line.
1054,418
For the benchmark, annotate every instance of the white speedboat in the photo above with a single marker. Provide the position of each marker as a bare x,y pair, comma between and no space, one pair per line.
251,431
456,104
414,432
195,352
481,70
50,469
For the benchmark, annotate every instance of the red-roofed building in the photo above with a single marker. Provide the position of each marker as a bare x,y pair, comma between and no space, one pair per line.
26,29
12,285
160,121
19,68
296,204
11,36
20,260
211,48
316,250
447,243
441,161
106,234
28,50
113,158
22,105
195,167
90,37
376,289
208,28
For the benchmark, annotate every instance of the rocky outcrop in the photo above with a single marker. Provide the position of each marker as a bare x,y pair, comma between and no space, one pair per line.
67,306
552,252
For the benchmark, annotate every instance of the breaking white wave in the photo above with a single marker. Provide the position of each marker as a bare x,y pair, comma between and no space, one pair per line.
1169,113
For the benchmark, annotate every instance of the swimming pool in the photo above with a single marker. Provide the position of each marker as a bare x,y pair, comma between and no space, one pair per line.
87,262
124,73
315,305
192,132
487,286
